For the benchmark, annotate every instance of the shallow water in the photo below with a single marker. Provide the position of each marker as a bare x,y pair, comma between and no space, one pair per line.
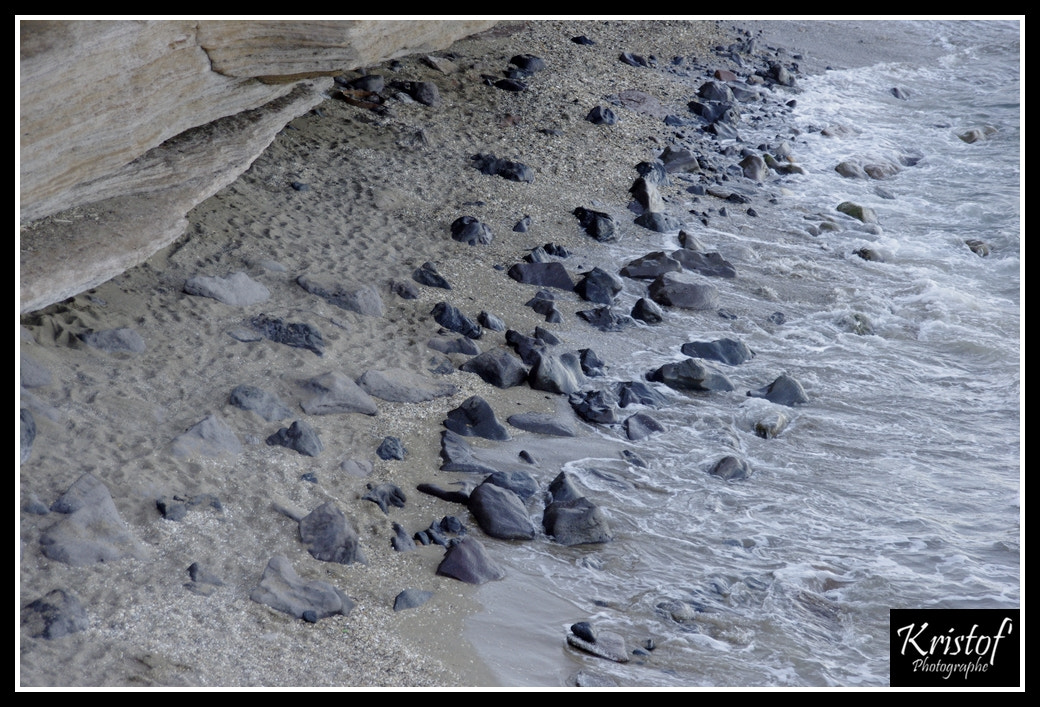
897,486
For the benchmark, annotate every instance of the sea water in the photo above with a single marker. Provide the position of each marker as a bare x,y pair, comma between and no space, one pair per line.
896,486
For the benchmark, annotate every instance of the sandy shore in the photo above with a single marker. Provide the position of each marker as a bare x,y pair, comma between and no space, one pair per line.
382,189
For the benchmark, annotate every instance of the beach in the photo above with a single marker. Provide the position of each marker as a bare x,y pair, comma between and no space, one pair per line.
334,221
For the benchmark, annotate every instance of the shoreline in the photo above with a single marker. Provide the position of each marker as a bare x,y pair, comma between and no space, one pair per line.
382,191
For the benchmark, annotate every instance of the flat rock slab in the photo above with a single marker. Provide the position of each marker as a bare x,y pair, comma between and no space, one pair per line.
237,289
284,590
210,437
458,455
336,393
608,645
363,299
541,424
728,351
397,385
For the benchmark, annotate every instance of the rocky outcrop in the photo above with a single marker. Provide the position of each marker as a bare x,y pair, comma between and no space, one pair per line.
136,122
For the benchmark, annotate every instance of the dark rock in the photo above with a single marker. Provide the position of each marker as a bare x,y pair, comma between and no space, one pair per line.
336,393
584,631
468,561
201,575
683,290
527,457
597,224
452,319
528,62
404,290
500,512
638,393
459,344
210,437
563,490
778,318
651,265
460,496
731,469
576,522
728,351
708,264
556,373
523,225
633,59
497,367
715,91
856,211
427,275
54,615
402,541
374,83
544,303
542,274
654,173
363,299
300,437
122,340
512,85
264,404
582,39
475,418
770,425
599,406
424,92
869,254
679,160
658,221
237,289
391,448
640,426
601,116
546,336
519,482
979,248
27,433
411,599
541,424
783,391
591,364
329,536
599,286
690,375
171,509
298,335
513,171
606,319
608,645
384,496
284,590
490,321
468,230
647,311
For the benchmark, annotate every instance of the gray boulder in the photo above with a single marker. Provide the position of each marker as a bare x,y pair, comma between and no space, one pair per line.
475,418
500,513
329,536
54,615
237,289
690,375
335,393
785,390
284,590
363,299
